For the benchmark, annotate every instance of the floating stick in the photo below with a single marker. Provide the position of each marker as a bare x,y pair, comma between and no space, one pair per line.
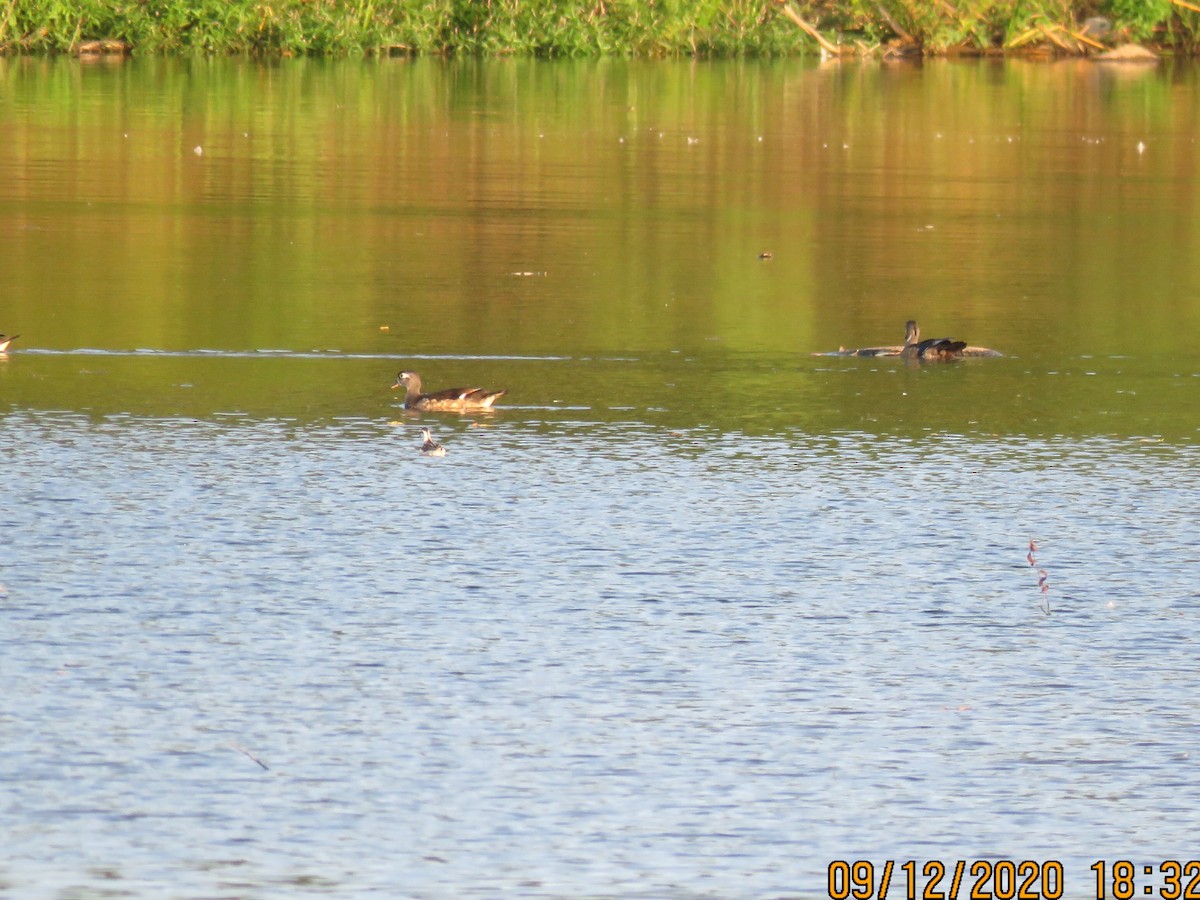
250,756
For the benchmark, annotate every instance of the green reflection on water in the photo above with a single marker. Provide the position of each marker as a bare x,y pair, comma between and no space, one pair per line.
606,218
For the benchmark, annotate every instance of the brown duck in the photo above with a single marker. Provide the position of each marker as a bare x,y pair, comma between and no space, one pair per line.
937,348
915,348
930,348
449,400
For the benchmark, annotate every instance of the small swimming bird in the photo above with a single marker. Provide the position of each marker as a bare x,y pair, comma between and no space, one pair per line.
430,447
452,399
5,340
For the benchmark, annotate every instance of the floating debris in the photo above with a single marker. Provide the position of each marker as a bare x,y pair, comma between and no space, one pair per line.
1127,53
1043,577
106,47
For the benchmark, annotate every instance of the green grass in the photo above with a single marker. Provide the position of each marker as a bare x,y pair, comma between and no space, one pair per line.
980,25
570,28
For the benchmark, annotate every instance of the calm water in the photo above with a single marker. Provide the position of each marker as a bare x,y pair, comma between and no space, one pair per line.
695,612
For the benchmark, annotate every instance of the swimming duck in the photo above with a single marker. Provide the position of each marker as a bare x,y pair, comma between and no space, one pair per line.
937,348
5,340
930,348
452,399
430,447
914,348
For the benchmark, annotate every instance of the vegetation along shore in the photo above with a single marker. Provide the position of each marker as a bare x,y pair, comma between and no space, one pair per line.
574,28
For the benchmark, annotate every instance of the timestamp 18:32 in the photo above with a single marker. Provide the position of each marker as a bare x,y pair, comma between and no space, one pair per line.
1170,879
1007,880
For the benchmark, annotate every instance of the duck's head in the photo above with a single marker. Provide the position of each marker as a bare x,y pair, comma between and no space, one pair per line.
912,334
403,379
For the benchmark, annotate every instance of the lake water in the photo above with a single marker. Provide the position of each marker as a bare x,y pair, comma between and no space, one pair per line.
694,612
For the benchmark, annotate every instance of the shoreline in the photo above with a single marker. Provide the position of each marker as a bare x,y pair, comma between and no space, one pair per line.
577,29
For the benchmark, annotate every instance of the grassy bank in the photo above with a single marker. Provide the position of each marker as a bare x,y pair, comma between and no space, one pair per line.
553,28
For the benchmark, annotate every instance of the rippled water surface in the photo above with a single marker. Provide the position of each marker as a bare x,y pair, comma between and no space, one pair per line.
573,658
694,612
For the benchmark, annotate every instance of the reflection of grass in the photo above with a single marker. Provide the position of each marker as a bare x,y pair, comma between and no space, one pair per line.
574,27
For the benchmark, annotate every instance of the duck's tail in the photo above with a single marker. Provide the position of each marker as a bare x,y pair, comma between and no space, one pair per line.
487,398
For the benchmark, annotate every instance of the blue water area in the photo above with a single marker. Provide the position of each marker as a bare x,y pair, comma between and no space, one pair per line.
252,657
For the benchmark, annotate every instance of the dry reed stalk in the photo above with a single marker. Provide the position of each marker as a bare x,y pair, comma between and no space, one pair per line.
1084,39
830,48
1048,31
